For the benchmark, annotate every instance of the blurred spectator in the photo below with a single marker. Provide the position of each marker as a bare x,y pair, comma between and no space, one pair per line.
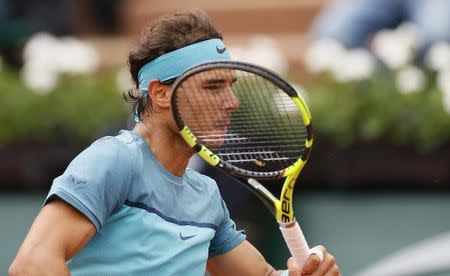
21,18
106,14
353,22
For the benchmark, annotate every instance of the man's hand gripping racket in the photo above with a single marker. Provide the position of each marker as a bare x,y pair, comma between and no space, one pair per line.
252,124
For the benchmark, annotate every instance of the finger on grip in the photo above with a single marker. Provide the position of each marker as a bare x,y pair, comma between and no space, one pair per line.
296,242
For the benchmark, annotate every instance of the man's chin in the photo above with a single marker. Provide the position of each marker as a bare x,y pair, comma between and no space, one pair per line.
213,139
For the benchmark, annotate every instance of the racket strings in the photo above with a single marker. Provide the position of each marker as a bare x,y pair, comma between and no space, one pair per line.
263,132
252,133
272,148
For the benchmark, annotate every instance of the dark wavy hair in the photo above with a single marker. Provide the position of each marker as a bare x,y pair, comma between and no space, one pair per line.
166,34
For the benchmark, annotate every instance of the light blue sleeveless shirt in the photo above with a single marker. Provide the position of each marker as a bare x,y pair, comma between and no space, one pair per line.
148,221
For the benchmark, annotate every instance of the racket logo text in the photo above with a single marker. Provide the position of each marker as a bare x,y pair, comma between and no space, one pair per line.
286,203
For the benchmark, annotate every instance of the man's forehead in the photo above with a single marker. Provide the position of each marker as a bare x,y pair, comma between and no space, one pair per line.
218,74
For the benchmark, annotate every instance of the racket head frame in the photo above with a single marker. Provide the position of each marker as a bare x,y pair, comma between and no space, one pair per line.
281,208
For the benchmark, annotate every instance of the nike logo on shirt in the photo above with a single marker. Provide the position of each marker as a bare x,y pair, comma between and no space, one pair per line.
184,238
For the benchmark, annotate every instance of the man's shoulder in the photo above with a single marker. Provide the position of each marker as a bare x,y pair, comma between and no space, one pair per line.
125,140
110,149
124,137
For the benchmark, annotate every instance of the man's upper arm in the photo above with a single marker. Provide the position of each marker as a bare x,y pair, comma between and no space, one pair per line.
244,259
57,234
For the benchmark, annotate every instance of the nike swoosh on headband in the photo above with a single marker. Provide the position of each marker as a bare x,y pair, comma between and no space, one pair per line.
221,50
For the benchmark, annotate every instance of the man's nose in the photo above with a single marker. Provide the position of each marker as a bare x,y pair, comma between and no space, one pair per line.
231,102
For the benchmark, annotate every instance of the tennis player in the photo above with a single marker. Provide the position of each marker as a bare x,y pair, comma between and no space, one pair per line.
128,205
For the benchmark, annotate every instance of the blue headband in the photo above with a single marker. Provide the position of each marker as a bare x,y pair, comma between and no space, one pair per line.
171,65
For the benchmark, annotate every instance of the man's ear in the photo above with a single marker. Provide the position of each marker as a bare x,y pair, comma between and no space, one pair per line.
159,94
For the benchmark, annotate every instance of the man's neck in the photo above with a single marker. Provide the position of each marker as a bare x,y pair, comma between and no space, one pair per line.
167,147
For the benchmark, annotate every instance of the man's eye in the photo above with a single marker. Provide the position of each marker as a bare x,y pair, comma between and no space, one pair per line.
211,87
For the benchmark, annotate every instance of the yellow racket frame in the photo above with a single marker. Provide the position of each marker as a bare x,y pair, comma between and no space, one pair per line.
283,207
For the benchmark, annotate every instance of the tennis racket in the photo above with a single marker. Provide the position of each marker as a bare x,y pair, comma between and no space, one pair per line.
250,123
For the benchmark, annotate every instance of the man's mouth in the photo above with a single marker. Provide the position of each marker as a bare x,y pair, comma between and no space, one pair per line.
222,123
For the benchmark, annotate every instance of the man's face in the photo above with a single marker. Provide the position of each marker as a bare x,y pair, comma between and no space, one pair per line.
206,101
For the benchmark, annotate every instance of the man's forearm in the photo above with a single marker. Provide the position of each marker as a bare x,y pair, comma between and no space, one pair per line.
31,265
273,272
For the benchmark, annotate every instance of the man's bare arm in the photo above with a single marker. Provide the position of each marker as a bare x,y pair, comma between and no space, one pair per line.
245,259
57,234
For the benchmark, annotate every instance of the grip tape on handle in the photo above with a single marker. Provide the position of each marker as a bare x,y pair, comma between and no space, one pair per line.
296,242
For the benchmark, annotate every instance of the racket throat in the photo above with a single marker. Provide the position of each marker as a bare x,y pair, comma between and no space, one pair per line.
263,194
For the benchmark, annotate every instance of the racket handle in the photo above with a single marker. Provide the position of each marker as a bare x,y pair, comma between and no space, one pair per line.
295,241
